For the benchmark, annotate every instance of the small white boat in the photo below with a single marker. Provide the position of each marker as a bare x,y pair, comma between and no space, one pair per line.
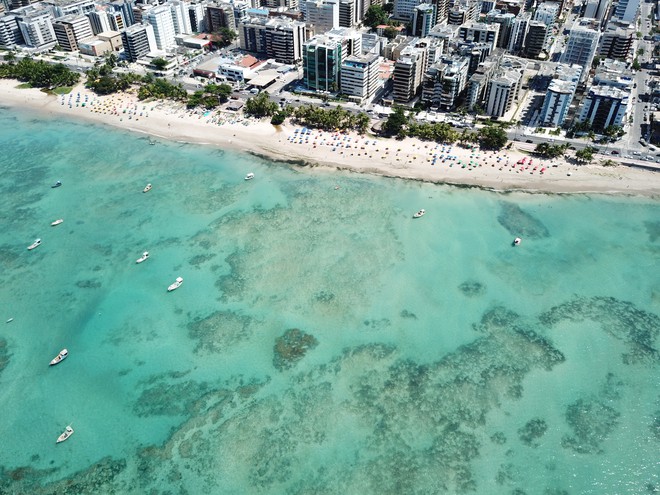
57,184
249,176
147,188
420,213
57,222
68,431
177,283
517,241
60,357
9,320
144,256
36,243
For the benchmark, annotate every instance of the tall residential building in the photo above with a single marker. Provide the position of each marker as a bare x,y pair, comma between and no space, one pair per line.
138,40
180,16
445,81
126,9
604,106
480,32
409,70
37,29
321,15
359,76
279,38
505,21
582,43
559,95
71,7
462,12
100,21
10,33
322,59
441,11
404,9
70,30
547,13
220,15
478,83
161,20
423,19
503,89
627,10
518,32
347,14
597,9
196,14
617,41
537,34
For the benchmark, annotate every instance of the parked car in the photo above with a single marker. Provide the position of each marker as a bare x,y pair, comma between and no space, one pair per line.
615,152
529,141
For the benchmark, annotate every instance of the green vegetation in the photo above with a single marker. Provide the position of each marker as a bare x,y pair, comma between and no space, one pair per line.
375,16
210,97
636,65
585,155
260,106
39,74
224,37
492,137
396,123
440,133
159,63
550,150
332,119
160,89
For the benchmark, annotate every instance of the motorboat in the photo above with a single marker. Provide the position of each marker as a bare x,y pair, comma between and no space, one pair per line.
60,357
517,241
57,184
68,431
249,176
57,222
420,213
147,188
36,243
177,283
144,256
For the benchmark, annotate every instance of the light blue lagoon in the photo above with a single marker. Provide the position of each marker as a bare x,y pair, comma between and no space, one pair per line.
323,340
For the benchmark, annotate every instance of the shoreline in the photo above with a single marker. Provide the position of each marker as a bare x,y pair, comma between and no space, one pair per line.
408,159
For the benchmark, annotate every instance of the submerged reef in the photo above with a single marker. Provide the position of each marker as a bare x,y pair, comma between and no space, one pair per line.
519,223
219,331
532,431
621,319
472,288
291,347
591,421
4,354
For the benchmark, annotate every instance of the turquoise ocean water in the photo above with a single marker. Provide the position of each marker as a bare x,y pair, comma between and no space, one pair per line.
323,341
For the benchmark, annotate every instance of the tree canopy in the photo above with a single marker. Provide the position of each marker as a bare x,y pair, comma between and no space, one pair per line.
224,37
331,119
396,123
551,150
39,74
375,16
492,137
585,154
261,106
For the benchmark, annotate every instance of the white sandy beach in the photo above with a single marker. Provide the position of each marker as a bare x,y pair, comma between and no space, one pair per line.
409,158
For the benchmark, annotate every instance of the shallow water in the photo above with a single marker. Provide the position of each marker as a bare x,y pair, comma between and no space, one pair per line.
431,356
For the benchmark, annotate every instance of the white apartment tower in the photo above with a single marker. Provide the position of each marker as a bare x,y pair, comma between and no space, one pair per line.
582,43
180,16
160,19
321,15
37,30
560,94
359,77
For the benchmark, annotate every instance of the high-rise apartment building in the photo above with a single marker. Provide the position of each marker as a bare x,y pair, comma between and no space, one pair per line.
37,29
537,34
138,40
409,70
503,89
359,77
70,30
161,20
423,19
617,41
582,43
559,95
321,15
10,33
279,38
